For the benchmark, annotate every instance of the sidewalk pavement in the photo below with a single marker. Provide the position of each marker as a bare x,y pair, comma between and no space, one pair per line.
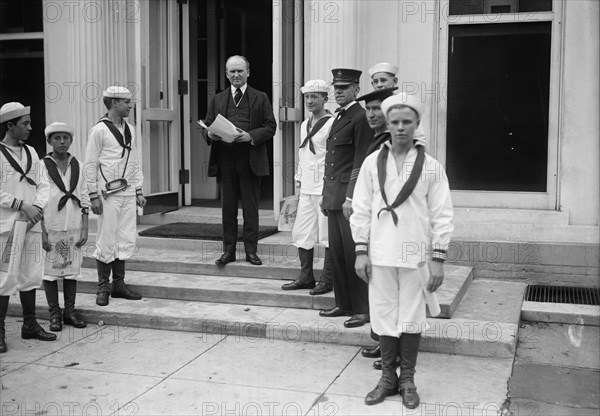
112,370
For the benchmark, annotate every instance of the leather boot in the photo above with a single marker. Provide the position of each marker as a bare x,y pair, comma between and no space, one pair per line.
306,280
103,282
325,284
119,288
388,383
409,350
3,310
374,352
51,289
31,329
70,317
378,366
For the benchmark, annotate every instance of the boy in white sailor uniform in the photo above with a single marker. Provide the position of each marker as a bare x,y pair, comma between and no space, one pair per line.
23,196
65,219
114,177
402,217
310,226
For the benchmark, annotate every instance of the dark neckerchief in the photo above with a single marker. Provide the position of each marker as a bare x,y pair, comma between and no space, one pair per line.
310,133
378,140
408,186
124,142
52,168
17,166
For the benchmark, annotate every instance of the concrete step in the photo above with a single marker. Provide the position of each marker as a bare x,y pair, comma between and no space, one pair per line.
511,216
256,291
202,215
492,333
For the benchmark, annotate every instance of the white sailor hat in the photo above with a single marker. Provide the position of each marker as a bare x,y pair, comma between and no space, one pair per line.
383,67
10,111
402,98
315,85
58,127
117,92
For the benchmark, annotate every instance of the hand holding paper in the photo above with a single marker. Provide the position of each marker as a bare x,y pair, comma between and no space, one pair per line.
223,128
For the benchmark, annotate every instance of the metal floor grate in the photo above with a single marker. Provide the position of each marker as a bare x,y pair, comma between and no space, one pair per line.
563,294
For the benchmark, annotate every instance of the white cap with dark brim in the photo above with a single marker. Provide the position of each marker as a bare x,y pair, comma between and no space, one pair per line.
11,111
58,127
402,98
315,85
117,92
383,67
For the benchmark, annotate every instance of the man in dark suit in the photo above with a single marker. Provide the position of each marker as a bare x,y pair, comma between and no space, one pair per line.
347,144
240,165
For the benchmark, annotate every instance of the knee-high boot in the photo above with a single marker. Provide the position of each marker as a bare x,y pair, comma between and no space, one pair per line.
3,310
103,282
119,288
31,329
409,350
51,289
306,280
388,383
70,317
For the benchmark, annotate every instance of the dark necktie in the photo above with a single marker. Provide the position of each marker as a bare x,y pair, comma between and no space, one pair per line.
238,96
340,112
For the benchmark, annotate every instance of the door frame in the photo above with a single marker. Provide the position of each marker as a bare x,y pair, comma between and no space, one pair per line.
495,199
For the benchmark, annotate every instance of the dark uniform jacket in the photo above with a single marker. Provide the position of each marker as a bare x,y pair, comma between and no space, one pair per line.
347,144
262,129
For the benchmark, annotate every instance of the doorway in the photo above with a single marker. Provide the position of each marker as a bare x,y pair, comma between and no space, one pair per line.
217,30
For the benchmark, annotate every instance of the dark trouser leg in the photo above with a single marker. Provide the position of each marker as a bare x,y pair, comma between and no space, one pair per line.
306,280
230,194
388,383
338,266
119,288
409,350
51,289
358,290
70,316
3,310
31,329
250,195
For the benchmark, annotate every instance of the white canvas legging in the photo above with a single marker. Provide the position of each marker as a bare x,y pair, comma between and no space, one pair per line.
396,301
116,229
310,225
31,267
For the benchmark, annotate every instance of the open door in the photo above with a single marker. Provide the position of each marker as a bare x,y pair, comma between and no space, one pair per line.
160,106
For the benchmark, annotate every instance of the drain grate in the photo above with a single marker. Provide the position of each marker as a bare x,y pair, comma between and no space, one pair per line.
563,294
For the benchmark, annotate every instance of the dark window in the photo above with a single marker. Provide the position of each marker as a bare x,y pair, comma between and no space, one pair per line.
461,7
498,101
21,16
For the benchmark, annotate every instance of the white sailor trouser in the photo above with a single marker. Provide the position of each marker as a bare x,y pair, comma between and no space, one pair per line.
116,229
31,269
310,226
396,301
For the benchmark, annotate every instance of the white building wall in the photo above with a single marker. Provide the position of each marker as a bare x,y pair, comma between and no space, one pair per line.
579,172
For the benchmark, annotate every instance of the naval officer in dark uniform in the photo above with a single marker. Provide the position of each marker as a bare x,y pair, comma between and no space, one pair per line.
347,144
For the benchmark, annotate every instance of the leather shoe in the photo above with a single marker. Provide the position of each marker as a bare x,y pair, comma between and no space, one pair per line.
298,284
357,320
374,352
35,331
333,312
74,320
102,299
410,397
55,324
253,259
379,393
125,293
378,366
321,289
225,258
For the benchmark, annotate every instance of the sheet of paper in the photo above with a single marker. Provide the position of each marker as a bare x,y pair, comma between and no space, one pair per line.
222,128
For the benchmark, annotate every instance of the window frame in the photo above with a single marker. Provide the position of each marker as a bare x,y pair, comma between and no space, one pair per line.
504,199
